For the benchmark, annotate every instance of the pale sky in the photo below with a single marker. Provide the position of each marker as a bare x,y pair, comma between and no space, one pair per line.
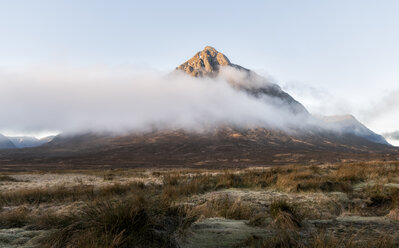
337,57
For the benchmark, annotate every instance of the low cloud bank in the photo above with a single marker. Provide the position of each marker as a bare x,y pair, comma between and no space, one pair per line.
387,106
101,98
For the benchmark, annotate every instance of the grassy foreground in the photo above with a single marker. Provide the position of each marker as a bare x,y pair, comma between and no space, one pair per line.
329,205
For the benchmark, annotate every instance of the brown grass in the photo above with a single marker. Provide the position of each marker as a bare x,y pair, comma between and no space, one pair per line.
62,193
131,222
224,207
285,215
138,215
23,216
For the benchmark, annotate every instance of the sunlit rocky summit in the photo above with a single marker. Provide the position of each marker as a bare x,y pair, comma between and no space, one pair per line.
305,139
206,63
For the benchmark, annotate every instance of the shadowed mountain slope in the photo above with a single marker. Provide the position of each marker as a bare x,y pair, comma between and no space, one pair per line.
349,124
219,148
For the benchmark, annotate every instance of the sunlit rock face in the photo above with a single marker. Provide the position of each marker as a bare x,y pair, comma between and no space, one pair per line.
205,63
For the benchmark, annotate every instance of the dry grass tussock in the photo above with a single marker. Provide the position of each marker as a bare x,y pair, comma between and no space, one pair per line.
131,222
158,215
223,207
285,215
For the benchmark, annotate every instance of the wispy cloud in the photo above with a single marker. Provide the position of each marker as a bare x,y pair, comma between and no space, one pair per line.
383,106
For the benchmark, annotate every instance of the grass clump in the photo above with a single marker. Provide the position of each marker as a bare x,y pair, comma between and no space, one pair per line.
16,218
285,215
132,222
224,207
259,219
376,200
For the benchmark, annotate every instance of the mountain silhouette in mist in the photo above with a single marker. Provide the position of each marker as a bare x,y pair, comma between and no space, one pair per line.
28,141
329,139
6,143
349,124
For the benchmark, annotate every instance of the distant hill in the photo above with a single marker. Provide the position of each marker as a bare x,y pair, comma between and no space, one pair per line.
27,141
349,124
223,147
5,143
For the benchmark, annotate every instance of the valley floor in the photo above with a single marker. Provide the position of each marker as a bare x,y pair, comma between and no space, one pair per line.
327,205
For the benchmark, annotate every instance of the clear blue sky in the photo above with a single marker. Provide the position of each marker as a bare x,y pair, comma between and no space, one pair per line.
344,48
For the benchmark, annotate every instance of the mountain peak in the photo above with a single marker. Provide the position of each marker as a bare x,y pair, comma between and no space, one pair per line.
210,49
205,63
